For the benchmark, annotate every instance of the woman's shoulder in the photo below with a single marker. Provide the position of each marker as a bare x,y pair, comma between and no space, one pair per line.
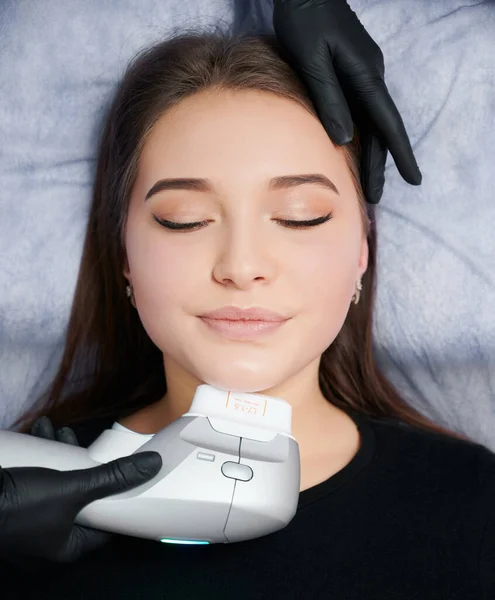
448,481
436,456
397,431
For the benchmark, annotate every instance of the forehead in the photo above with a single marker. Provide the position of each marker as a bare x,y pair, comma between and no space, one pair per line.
243,120
239,136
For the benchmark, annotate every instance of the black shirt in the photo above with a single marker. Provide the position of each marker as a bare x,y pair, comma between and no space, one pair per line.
411,517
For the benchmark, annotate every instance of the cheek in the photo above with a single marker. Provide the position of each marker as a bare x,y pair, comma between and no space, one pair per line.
326,271
164,275
164,284
326,277
164,291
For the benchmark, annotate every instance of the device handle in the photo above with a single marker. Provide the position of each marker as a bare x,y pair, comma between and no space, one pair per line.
23,450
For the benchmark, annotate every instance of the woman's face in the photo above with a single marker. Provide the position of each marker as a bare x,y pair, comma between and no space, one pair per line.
243,256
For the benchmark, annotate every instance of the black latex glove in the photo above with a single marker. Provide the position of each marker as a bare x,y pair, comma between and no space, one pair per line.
38,506
43,428
344,71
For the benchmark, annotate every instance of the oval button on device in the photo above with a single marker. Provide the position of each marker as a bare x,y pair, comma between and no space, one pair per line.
234,470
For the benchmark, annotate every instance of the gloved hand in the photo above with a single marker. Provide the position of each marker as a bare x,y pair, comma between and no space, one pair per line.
344,70
38,506
43,428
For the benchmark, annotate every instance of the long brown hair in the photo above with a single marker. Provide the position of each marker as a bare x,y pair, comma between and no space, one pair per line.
110,366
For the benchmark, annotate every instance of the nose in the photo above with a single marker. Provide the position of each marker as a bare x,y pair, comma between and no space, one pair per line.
244,256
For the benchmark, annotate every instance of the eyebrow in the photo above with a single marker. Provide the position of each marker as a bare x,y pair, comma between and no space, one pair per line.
283,182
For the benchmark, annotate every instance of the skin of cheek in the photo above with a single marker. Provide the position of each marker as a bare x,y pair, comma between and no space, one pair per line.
173,283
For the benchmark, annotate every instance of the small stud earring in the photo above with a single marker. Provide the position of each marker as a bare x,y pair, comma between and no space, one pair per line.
357,294
130,295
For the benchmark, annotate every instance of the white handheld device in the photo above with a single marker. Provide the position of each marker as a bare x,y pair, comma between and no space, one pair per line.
230,471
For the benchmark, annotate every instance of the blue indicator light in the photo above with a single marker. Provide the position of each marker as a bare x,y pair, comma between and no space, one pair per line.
189,542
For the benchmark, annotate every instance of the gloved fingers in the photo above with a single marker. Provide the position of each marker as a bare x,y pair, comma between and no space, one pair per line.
43,428
312,58
373,159
67,436
82,540
331,104
116,476
317,71
384,115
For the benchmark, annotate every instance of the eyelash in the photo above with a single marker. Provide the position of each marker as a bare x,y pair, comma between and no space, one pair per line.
172,225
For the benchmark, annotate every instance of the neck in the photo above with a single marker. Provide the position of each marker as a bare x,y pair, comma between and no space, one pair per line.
317,424
327,437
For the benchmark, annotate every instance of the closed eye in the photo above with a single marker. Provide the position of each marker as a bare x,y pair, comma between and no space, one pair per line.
173,225
310,223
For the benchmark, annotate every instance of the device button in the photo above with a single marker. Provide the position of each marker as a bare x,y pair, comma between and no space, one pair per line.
205,456
234,470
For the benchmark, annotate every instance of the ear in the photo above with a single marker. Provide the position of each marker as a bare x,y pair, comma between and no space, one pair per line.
363,256
126,272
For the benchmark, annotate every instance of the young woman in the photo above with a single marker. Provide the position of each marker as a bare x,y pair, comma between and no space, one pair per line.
218,186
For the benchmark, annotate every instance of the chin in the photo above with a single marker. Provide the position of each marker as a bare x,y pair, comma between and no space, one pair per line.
246,384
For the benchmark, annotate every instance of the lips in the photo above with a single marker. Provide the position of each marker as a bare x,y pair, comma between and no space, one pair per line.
242,329
234,313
